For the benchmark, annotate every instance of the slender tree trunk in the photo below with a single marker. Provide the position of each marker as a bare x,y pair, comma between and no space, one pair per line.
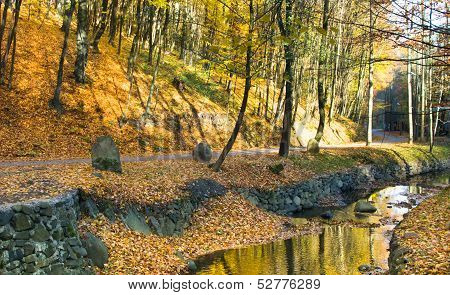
113,23
298,94
184,28
134,46
441,92
422,82
313,144
410,101
430,82
279,105
248,81
13,60
410,94
102,28
289,59
162,33
150,35
55,102
268,82
2,31
122,16
370,104
82,42
11,40
336,68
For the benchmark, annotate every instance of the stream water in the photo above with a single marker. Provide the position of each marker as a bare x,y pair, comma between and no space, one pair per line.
338,249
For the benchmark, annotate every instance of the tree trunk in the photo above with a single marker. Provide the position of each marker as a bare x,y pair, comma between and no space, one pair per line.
336,68
279,106
14,39
410,101
11,39
55,102
248,81
122,16
430,83
313,144
102,27
150,35
2,30
370,105
289,59
82,42
422,82
113,23
184,28
162,32
134,46
410,94
13,60
441,92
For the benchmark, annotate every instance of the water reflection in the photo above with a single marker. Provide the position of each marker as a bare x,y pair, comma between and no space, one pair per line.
339,249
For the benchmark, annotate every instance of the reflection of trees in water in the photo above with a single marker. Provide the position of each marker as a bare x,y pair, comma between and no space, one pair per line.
338,250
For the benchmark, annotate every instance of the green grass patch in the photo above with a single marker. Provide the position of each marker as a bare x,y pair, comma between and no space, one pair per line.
327,161
208,89
323,162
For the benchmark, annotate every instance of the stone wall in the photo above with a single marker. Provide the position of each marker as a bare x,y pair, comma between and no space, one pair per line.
334,188
41,237
165,219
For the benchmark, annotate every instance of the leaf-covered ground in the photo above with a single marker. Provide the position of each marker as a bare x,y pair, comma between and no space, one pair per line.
226,222
164,180
426,233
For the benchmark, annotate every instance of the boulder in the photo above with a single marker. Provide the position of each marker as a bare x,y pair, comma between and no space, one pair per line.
156,225
307,204
191,265
6,232
105,155
89,208
202,152
110,214
21,222
168,227
96,250
364,206
135,221
6,215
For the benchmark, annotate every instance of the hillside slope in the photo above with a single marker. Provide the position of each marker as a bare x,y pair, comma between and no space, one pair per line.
179,119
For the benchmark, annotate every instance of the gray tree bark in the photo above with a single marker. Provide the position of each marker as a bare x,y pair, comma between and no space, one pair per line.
55,102
82,42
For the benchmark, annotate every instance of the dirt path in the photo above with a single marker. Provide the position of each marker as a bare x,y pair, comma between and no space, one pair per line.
379,136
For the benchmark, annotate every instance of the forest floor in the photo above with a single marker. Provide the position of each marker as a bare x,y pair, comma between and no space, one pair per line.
425,234
225,222
163,180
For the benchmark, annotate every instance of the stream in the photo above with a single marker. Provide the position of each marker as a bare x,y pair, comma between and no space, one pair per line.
344,248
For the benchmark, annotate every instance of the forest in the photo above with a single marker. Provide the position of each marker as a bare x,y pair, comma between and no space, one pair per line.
224,137
329,59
